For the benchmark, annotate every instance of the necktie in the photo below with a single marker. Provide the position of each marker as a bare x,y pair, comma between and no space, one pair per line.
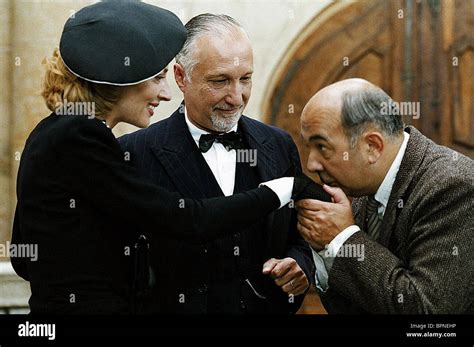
373,220
230,140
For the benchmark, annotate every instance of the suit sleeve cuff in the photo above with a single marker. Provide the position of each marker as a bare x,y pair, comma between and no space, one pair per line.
283,187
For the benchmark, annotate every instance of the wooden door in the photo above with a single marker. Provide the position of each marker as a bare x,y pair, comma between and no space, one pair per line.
417,51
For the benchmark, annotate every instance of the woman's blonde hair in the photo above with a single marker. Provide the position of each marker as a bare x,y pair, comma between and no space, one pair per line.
61,86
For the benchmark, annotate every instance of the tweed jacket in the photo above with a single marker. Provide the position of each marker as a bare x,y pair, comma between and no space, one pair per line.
423,261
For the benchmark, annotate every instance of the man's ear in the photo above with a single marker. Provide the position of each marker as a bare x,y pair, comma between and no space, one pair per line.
180,77
375,145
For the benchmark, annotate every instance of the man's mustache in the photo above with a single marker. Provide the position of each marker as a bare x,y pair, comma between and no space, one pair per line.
227,107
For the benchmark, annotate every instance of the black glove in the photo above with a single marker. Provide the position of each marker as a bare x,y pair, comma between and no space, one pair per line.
305,188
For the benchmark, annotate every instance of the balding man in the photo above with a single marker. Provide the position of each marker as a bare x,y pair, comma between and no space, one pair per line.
207,148
406,243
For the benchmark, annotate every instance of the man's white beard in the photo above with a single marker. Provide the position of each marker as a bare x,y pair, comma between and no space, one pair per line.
224,124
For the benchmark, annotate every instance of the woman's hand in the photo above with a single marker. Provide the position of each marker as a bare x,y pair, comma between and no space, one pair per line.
305,188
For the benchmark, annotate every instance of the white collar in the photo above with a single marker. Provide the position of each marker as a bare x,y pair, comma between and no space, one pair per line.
197,132
385,189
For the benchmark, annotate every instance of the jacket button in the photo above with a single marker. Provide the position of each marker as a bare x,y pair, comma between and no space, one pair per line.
203,289
242,305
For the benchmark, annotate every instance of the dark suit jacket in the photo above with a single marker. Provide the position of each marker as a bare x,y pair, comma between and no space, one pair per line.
77,200
166,154
424,262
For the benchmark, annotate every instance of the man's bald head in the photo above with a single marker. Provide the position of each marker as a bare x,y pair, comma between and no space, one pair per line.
355,103
330,97
350,135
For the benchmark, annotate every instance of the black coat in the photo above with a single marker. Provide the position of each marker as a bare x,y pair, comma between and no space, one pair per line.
83,205
214,278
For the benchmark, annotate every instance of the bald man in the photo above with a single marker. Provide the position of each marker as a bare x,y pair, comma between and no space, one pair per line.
405,244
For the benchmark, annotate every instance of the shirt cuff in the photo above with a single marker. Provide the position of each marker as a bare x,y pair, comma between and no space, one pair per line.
321,275
332,249
283,187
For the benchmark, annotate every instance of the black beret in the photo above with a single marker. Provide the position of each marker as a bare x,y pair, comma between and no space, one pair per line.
120,43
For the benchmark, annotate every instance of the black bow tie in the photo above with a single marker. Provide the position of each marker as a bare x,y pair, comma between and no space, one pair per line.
231,140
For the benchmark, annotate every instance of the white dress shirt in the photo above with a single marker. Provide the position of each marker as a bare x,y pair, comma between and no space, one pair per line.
221,162
324,259
223,165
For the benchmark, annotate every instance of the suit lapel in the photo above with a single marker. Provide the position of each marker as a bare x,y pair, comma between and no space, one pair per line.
414,153
265,149
182,160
